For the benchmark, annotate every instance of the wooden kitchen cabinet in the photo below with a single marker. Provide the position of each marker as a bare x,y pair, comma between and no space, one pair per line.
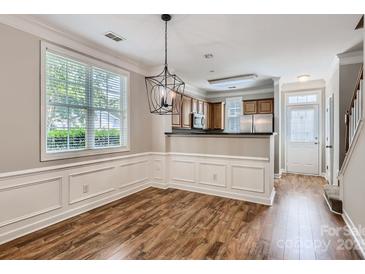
186,112
216,115
176,117
265,106
262,106
250,107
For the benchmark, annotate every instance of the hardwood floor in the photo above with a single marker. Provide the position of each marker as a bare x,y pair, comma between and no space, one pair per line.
175,224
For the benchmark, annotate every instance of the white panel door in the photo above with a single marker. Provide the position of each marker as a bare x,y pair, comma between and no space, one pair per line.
302,139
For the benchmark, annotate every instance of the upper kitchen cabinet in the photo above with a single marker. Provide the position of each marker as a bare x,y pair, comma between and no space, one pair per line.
186,112
265,106
262,106
176,117
216,115
250,107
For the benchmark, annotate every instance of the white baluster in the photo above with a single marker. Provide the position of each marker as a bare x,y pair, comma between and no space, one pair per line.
350,129
361,101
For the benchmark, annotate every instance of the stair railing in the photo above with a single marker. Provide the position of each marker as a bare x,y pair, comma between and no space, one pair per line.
354,113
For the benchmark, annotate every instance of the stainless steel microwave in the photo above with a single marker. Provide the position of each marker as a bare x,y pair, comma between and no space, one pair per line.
198,120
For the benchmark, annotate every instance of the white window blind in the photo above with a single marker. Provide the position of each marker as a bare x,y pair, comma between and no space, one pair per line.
86,105
233,114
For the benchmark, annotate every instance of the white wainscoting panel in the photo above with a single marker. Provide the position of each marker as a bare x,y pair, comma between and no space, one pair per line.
249,178
36,198
158,169
132,173
182,170
88,184
213,174
23,201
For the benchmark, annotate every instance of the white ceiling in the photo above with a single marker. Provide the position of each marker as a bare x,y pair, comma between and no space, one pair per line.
268,45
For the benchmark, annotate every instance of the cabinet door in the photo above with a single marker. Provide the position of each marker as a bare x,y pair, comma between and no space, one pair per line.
200,107
250,107
218,116
176,117
265,106
194,106
186,112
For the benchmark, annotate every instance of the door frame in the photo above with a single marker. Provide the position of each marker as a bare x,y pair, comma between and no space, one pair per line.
321,132
330,132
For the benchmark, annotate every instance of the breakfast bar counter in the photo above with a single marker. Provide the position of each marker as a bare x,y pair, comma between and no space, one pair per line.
239,166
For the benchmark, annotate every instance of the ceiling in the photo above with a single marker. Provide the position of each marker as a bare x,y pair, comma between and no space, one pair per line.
268,45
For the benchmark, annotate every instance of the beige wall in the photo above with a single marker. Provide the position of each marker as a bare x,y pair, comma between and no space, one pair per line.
236,146
20,106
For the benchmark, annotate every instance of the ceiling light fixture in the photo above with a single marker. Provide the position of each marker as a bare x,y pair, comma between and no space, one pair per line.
303,78
163,88
232,81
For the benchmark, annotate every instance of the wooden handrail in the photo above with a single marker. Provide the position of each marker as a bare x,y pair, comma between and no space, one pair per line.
349,110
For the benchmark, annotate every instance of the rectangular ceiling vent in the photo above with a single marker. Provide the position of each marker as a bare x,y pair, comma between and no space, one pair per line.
115,37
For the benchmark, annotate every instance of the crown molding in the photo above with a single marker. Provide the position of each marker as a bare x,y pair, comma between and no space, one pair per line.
30,25
195,92
352,57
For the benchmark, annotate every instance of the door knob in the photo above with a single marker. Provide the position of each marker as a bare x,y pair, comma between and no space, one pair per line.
328,146
316,143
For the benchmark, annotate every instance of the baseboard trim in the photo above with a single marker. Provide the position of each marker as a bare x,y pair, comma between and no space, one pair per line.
277,175
356,235
329,206
324,175
159,185
27,229
242,197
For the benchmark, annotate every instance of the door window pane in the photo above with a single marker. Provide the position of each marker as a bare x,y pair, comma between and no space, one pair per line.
302,99
302,125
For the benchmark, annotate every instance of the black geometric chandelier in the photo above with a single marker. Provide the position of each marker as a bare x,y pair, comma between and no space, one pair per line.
164,88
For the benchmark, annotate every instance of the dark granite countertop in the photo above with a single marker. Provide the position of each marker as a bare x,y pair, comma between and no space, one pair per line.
187,132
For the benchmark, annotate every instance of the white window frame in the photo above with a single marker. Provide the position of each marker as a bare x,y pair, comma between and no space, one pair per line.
227,110
47,156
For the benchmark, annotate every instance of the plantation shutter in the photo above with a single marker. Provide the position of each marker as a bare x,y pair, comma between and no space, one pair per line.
85,105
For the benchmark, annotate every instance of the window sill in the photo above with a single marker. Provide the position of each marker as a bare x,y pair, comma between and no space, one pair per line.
80,153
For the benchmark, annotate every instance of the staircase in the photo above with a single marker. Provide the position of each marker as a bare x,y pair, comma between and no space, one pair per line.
354,121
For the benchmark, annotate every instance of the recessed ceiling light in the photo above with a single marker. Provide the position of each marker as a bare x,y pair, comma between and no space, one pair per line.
208,56
211,71
115,37
303,78
232,87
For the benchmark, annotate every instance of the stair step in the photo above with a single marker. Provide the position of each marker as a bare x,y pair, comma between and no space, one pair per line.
332,196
